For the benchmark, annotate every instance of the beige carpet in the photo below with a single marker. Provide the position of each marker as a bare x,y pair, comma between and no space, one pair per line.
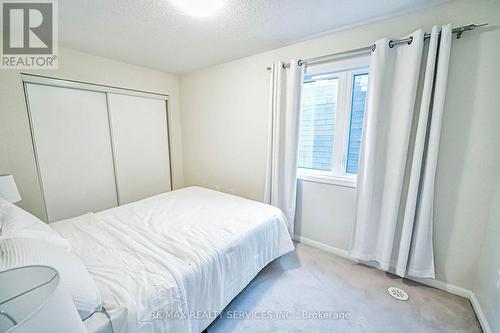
291,292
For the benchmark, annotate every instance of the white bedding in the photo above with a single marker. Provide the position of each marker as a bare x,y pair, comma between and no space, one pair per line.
172,262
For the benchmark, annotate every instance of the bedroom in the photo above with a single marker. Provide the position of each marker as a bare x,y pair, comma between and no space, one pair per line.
179,171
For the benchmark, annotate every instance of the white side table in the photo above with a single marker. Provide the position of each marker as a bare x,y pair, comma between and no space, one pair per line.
32,299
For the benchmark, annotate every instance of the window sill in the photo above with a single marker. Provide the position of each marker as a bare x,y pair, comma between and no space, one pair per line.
330,180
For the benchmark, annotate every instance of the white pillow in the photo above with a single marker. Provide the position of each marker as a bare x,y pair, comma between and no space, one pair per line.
18,252
15,222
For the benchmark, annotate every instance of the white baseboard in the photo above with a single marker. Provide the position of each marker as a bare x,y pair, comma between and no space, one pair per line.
434,283
321,246
448,287
480,314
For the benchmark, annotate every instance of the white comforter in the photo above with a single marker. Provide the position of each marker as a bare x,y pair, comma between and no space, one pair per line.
172,262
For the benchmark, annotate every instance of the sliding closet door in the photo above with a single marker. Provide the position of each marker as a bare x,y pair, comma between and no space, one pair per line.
73,147
140,141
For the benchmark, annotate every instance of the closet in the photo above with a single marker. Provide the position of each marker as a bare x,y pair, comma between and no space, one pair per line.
96,146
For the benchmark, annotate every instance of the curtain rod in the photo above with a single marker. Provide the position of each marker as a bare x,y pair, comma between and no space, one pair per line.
368,49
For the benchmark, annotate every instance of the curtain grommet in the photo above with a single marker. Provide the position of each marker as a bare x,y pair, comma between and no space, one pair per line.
391,44
411,40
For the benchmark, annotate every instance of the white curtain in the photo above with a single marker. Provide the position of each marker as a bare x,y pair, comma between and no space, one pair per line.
284,123
394,214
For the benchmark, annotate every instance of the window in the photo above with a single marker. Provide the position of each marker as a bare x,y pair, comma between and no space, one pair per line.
333,105
359,87
317,128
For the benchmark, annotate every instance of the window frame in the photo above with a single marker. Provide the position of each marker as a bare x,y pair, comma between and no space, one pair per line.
344,70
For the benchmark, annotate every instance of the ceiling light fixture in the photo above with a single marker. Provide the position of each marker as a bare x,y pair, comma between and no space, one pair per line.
198,8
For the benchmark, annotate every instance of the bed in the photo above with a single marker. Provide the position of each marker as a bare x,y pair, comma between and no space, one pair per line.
172,262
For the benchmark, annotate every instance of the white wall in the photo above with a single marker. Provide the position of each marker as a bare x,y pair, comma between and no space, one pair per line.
486,286
16,152
224,126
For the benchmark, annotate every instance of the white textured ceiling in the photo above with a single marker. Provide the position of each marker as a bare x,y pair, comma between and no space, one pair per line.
156,34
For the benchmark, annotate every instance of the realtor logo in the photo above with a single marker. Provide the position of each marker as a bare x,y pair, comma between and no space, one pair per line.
29,34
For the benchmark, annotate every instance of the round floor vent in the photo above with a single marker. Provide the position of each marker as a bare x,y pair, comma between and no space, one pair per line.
398,293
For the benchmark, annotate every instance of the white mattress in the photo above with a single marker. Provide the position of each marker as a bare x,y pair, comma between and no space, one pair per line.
172,262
